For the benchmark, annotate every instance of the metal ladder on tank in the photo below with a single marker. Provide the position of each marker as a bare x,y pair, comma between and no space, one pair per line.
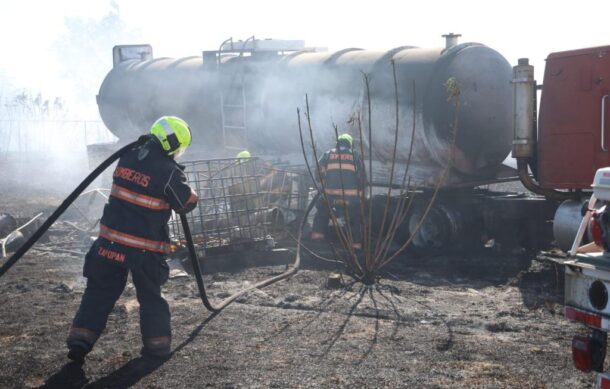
235,129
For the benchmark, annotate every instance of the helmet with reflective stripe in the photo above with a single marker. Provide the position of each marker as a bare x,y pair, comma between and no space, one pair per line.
173,133
243,154
346,138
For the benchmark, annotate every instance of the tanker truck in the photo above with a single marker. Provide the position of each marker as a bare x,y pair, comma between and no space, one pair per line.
245,95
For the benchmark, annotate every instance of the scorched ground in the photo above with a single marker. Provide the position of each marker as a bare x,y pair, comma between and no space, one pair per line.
471,320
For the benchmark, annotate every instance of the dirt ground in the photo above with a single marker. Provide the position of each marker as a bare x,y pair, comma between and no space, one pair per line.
485,320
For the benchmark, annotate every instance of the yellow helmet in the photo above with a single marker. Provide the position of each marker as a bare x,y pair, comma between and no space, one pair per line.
173,133
347,138
243,154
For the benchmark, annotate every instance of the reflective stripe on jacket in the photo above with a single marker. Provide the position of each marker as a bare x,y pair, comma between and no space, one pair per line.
342,172
133,241
138,199
146,186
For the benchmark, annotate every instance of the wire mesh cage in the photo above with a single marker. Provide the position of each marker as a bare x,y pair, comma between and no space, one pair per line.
286,189
242,202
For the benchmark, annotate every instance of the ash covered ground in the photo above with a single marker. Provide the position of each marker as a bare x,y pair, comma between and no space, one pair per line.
484,320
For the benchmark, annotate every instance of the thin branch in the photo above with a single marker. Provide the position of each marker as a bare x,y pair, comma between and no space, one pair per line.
368,252
404,177
345,210
311,252
313,179
387,204
332,215
454,94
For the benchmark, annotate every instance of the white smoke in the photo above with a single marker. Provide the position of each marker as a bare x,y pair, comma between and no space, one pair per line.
48,112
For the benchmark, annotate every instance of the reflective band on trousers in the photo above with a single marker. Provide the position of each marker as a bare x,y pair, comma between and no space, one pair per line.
133,241
342,192
137,198
341,166
80,333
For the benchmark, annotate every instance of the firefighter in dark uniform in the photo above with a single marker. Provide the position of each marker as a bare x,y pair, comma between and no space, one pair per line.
342,172
147,185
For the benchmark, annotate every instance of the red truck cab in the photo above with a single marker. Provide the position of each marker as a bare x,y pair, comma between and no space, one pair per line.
573,124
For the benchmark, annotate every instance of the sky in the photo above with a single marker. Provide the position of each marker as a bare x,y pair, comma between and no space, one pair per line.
32,58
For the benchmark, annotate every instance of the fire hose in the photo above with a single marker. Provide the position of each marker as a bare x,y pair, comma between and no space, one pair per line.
187,233
67,202
197,270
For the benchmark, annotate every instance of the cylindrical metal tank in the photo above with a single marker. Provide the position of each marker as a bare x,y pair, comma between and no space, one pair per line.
135,93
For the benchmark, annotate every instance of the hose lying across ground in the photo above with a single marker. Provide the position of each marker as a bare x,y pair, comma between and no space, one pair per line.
197,270
189,239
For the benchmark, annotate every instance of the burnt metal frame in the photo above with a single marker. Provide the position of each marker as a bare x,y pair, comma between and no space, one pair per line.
233,193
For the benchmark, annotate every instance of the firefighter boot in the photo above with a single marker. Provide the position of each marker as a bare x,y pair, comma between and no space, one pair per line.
77,354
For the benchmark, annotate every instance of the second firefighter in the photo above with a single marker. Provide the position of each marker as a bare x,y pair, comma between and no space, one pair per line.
342,177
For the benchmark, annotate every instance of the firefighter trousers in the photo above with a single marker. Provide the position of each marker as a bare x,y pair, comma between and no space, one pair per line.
339,206
106,267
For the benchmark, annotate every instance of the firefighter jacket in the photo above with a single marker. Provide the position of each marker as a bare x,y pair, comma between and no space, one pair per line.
342,173
147,184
